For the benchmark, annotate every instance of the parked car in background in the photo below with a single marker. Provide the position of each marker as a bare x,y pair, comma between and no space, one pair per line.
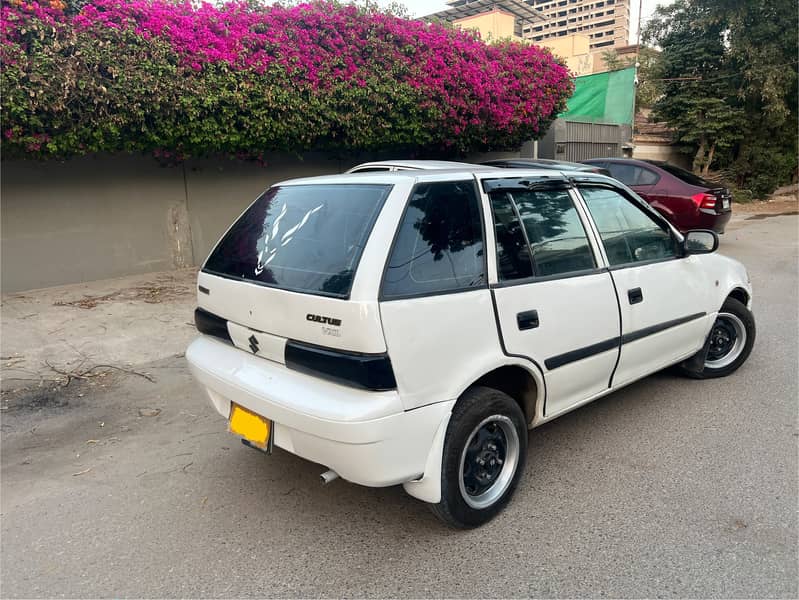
406,165
410,327
544,163
685,199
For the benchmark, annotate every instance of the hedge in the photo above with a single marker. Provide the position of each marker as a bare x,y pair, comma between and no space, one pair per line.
174,79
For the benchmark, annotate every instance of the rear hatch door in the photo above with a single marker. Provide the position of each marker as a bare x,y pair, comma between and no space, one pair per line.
285,269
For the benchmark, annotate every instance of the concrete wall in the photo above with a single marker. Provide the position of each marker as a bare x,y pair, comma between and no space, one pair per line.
665,152
97,218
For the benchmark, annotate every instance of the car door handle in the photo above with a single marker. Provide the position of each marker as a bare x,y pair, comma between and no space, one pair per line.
527,319
635,295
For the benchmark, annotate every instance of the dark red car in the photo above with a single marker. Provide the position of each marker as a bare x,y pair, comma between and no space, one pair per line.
685,199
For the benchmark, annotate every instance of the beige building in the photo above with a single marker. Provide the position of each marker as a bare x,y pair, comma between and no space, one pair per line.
493,25
605,22
494,19
579,31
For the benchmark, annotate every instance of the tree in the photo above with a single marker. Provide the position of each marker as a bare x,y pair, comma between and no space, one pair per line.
695,81
728,83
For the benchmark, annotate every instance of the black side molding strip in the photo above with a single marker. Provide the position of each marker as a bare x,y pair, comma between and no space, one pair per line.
574,355
642,333
580,353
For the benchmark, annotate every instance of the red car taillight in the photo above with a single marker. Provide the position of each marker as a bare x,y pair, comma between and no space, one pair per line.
703,200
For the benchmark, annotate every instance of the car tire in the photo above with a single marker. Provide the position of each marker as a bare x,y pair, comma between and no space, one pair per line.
483,458
728,344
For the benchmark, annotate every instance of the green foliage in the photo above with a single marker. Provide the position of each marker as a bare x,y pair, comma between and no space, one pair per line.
100,76
729,85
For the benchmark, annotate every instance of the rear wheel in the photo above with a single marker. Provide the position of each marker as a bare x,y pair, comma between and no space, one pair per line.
729,343
483,458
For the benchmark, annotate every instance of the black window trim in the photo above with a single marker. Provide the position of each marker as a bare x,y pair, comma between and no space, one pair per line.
646,208
545,278
283,288
412,296
557,184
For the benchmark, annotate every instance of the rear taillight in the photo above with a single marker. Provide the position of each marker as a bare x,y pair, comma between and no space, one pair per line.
704,200
209,324
366,371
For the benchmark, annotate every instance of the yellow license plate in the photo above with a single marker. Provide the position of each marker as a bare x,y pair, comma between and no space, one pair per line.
253,428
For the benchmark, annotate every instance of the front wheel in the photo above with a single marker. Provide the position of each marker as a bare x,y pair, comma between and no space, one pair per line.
729,343
484,454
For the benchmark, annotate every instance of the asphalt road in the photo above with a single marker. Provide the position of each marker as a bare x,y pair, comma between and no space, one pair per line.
669,488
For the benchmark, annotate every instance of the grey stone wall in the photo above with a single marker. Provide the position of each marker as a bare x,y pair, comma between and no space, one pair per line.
102,217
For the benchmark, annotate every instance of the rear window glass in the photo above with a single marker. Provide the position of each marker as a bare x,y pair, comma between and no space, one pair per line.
686,176
439,245
305,238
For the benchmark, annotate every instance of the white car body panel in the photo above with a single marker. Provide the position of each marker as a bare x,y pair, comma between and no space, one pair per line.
672,291
440,362
441,344
573,313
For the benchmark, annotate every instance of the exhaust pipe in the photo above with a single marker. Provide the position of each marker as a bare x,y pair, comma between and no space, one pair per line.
328,476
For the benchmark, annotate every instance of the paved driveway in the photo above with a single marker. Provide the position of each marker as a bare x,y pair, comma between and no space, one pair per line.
117,486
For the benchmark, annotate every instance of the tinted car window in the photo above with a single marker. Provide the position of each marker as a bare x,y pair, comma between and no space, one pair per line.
306,238
628,233
439,245
513,253
647,177
625,173
557,237
686,176
553,228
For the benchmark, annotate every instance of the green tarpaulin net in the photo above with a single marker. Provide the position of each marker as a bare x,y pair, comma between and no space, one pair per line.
603,97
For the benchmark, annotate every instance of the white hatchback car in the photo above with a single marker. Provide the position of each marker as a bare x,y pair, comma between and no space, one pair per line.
409,327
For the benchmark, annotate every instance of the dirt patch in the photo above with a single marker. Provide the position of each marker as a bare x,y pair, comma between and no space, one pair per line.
50,396
784,201
151,293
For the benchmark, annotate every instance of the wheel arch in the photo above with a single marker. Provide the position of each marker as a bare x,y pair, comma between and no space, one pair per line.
526,387
741,295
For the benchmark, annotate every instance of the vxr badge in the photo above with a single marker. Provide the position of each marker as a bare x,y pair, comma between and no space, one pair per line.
253,344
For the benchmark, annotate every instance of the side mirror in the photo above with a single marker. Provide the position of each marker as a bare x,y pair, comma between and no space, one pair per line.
700,241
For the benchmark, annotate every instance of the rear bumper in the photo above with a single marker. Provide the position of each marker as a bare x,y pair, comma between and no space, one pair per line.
711,220
366,437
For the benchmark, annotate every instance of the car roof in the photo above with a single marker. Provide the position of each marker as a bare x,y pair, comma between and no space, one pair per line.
465,172
622,160
412,164
532,161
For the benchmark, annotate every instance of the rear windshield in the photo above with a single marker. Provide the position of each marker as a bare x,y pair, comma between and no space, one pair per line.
686,176
305,238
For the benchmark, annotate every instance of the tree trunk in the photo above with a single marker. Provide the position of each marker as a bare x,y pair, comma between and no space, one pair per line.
700,156
709,160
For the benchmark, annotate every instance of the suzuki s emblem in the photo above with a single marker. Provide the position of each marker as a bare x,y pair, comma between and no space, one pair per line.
253,344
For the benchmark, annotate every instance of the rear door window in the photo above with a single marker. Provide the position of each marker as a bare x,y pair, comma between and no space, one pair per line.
439,246
625,173
557,237
305,238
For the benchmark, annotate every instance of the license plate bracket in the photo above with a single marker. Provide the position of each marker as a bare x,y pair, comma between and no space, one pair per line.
255,430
